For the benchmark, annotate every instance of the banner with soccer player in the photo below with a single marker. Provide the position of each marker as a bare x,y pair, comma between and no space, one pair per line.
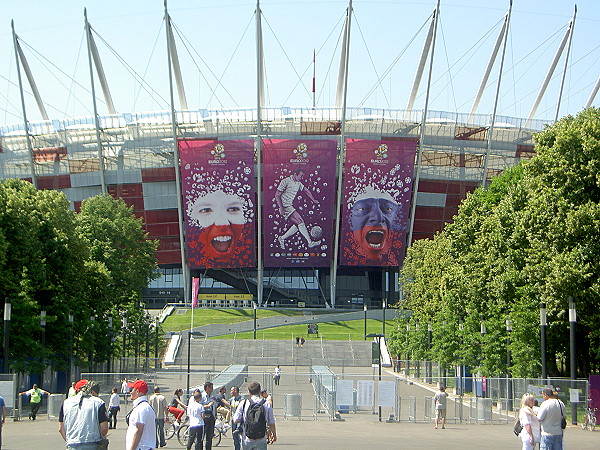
217,181
299,197
378,178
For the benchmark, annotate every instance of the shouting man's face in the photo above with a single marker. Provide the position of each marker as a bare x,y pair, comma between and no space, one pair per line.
372,220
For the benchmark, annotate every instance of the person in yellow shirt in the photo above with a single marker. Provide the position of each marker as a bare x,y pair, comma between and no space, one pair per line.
35,399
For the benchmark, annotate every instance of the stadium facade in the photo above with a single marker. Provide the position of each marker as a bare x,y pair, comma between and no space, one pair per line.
295,220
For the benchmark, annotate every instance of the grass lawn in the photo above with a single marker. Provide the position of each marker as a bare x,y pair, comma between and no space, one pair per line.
351,329
178,321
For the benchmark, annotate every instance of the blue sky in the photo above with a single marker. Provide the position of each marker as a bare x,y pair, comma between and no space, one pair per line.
216,45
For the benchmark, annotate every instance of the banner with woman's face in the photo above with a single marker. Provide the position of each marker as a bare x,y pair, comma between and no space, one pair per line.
378,179
217,179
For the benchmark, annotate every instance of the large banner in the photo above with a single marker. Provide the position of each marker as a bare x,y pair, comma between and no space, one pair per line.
299,197
217,179
378,178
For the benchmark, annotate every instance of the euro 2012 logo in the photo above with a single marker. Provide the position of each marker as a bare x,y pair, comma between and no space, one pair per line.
301,151
381,152
218,151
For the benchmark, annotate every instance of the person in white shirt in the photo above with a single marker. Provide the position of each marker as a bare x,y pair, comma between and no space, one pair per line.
141,420
277,375
241,416
530,434
195,412
114,406
550,416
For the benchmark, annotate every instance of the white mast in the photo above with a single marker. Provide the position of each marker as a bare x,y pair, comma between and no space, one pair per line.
91,47
491,129
590,99
260,74
490,65
25,122
564,75
557,56
421,67
185,271
340,171
175,63
415,189
29,75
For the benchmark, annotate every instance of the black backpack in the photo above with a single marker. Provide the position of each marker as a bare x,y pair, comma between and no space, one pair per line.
255,423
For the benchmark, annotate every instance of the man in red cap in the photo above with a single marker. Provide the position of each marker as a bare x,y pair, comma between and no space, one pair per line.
80,384
141,420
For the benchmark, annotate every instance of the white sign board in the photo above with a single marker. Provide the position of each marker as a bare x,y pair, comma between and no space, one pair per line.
386,393
365,393
344,393
574,395
7,391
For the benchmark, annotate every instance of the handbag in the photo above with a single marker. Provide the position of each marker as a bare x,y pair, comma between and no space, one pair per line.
563,421
518,427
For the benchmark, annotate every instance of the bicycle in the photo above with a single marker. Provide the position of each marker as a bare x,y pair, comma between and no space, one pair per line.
173,428
589,420
221,428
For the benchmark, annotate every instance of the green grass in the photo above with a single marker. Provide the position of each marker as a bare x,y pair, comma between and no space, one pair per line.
351,329
203,316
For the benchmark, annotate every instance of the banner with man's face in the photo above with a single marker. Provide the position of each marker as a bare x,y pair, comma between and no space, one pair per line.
217,179
299,198
378,178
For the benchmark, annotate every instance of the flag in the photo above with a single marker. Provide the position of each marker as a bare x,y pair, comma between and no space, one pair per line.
195,288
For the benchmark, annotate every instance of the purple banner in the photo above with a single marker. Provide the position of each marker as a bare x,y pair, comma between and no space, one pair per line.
299,197
217,180
378,179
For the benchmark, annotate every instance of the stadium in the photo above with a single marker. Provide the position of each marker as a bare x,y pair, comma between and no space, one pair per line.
167,165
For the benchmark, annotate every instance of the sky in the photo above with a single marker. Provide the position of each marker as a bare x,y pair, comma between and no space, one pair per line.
216,45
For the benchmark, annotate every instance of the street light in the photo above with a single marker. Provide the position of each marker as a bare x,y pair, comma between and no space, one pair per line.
383,323
7,314
110,341
543,326
509,403
572,321
156,326
189,345
69,371
407,349
428,367
43,359
378,337
123,366
254,307
365,310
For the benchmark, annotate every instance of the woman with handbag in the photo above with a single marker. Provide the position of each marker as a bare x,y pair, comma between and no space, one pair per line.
530,434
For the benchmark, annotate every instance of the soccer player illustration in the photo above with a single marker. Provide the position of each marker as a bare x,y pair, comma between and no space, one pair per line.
285,195
373,218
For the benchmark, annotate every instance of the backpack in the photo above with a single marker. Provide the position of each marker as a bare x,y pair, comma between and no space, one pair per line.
255,423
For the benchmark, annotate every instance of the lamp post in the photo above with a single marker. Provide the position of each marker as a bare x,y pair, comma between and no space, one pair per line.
418,362
461,367
428,367
123,365
572,321
509,394
365,321
482,330
7,314
43,359
543,326
407,349
147,324
189,346
70,368
92,322
383,323
254,307
110,343
378,337
156,326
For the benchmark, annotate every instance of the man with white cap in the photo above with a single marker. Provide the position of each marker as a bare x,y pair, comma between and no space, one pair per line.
141,420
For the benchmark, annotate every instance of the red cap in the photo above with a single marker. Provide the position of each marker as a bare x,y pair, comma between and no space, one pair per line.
80,384
141,386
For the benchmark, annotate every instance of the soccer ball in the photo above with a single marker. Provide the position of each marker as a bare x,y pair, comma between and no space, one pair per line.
316,233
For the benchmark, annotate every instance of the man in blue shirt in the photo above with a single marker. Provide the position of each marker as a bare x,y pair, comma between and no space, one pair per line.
3,412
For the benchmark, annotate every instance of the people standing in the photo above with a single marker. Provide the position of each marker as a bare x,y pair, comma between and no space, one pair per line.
72,391
159,405
35,399
277,375
439,400
551,414
177,407
234,401
114,406
125,389
530,434
3,412
297,341
302,341
141,420
210,412
83,422
195,412
259,438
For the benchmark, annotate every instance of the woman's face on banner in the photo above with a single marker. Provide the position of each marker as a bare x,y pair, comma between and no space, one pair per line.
221,217
372,220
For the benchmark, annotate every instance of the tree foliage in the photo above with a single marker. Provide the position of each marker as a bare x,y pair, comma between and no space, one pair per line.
533,236
90,265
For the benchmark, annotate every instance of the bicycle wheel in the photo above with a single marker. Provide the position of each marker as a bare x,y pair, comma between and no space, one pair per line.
592,423
216,440
170,431
183,435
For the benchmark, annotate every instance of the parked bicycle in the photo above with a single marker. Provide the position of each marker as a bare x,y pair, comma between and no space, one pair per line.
589,420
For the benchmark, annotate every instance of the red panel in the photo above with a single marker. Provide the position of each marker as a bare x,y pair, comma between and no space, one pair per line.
436,187
454,199
161,216
162,229
54,182
429,213
168,243
159,174
429,225
77,206
130,193
169,257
